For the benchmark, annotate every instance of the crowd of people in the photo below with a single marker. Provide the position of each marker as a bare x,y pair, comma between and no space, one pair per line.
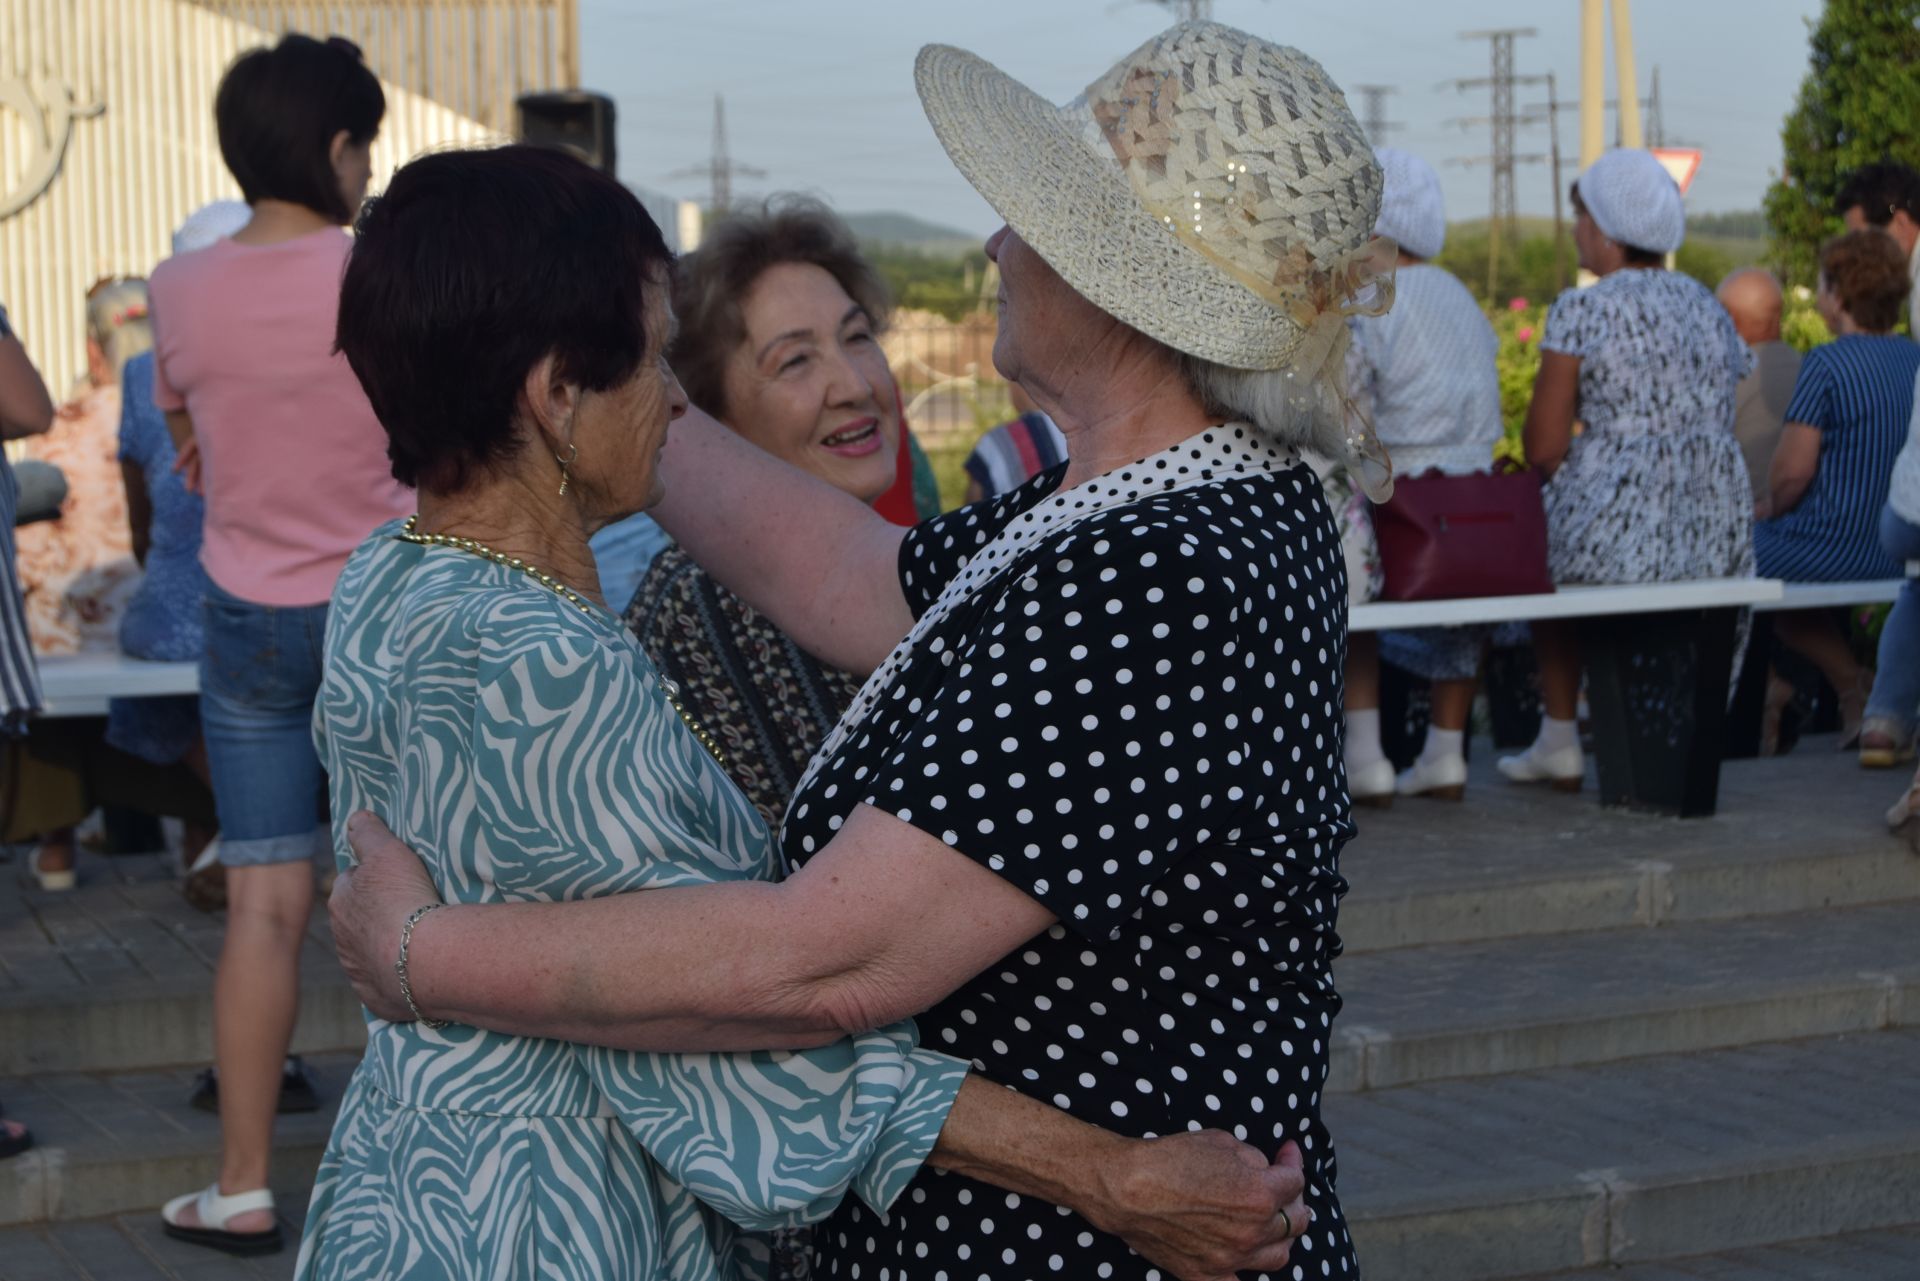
527,565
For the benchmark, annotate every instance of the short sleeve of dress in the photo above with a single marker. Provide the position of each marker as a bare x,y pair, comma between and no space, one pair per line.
935,551
778,1138
1575,323
1107,667
1813,400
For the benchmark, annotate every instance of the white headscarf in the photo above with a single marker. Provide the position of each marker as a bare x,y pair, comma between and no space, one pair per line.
1634,200
1411,209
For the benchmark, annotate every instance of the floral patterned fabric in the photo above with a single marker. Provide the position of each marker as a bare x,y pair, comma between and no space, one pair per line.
1655,488
78,570
768,702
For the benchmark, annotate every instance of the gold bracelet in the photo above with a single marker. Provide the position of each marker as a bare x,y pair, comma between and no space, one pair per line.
400,966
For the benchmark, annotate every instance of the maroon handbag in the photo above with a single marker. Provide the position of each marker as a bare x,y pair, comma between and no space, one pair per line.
1448,537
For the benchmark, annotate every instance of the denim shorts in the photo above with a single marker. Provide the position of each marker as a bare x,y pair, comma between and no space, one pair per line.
259,676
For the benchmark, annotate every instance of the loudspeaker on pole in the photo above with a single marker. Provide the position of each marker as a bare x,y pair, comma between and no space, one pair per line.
572,120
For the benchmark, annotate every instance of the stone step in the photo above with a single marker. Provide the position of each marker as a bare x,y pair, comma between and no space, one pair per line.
118,975
1632,1163
123,1143
132,1247
1893,1255
1521,861
1520,1004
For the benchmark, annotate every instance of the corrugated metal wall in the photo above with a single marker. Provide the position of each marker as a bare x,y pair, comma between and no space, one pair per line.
150,157
475,56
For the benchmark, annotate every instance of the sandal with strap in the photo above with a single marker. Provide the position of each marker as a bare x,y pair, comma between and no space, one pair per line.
216,1211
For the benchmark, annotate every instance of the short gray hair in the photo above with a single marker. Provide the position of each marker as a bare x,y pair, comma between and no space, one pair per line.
1274,400
117,320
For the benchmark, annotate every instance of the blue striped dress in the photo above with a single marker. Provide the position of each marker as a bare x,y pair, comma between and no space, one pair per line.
1858,392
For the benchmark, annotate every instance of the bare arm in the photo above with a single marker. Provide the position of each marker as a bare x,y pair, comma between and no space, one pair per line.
186,449
25,407
1192,1203
1548,432
818,562
880,925
876,926
1795,460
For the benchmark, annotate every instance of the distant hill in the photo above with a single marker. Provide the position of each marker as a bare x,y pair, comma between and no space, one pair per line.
904,231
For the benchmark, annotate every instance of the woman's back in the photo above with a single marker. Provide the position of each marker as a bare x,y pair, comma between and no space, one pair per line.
293,460
1657,353
1428,369
1858,392
162,621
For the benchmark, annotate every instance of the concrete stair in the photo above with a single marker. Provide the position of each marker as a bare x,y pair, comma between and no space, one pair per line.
1580,1039
1577,1043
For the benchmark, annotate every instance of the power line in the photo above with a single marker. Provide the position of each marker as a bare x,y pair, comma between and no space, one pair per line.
1502,214
721,167
1373,117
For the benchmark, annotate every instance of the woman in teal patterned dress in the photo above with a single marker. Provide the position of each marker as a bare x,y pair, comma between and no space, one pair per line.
506,312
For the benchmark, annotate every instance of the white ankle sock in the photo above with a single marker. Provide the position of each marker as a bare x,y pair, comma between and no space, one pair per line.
1442,742
1556,735
1363,737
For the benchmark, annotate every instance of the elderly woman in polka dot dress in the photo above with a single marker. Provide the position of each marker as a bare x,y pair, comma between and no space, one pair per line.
1084,819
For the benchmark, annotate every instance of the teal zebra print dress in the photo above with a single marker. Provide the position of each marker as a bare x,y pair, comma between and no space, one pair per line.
526,750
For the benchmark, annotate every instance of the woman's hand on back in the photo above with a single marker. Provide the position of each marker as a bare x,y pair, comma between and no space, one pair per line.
368,908
1206,1207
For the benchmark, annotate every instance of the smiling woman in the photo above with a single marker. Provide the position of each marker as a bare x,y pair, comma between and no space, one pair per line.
780,316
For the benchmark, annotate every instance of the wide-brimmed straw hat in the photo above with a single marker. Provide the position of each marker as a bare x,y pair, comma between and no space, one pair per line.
1212,190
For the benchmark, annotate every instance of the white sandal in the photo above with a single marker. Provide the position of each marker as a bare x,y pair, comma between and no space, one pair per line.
215,1212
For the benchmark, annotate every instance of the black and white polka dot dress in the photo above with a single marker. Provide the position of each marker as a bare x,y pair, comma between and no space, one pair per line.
1138,725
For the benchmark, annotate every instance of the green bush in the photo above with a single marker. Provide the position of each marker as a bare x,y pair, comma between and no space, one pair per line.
1857,105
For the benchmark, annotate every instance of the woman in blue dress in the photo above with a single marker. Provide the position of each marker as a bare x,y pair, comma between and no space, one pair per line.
1833,466
506,312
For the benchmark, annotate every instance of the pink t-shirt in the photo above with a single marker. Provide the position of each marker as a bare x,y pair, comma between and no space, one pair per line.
293,461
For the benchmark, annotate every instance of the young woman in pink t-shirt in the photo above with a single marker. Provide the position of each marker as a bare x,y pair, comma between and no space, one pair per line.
293,465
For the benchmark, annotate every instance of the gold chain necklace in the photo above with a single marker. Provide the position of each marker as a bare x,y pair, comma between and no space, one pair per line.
410,533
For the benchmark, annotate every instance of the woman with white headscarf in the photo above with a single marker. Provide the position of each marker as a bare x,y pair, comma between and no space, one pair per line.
1654,489
1426,375
1085,818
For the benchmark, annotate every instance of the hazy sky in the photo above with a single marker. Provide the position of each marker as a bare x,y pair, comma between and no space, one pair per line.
820,94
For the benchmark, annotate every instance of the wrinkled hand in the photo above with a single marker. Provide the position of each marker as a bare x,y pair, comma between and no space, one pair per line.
1205,1206
187,462
369,904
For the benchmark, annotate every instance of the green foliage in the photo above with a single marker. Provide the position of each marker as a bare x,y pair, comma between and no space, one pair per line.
1800,323
1857,105
1527,267
1519,325
949,285
1738,225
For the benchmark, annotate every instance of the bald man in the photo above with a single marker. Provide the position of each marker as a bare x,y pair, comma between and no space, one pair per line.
1752,297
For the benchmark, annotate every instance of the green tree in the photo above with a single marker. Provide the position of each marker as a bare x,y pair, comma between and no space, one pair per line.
1858,105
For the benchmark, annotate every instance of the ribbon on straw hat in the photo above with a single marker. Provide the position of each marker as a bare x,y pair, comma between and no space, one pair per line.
1212,190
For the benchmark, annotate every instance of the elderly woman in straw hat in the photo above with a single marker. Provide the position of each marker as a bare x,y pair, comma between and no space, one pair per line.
1085,817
